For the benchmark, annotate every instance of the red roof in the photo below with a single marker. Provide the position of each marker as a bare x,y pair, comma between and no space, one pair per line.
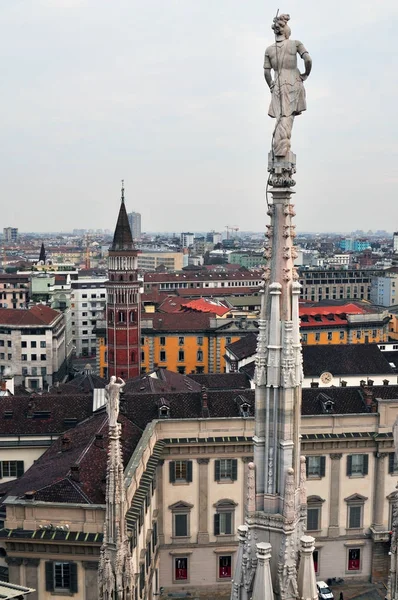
351,309
40,314
181,321
328,315
206,306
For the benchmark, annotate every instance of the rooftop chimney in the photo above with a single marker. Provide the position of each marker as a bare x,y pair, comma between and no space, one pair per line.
99,440
314,384
368,396
75,473
30,495
343,383
386,381
65,443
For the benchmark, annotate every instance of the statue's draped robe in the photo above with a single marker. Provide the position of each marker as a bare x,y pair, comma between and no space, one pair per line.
288,93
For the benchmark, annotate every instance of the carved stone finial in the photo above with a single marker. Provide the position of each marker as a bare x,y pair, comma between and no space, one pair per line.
251,488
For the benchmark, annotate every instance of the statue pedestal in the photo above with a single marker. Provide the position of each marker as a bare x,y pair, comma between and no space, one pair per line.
279,164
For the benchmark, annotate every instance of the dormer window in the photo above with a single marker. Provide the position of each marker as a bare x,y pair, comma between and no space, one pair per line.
163,409
164,412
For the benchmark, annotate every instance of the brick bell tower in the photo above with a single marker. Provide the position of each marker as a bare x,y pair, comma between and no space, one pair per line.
123,310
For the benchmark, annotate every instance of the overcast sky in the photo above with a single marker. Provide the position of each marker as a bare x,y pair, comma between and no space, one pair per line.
170,96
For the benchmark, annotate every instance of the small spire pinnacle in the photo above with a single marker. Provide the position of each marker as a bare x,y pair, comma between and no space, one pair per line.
122,191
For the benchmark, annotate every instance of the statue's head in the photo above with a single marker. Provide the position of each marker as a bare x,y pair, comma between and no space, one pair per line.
281,27
113,379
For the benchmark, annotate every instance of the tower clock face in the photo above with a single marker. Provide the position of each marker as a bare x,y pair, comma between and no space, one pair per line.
326,377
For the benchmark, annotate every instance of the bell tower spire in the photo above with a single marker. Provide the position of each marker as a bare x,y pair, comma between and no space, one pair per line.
123,301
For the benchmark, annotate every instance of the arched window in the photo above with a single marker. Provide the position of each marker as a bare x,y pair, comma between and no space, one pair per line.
121,278
121,317
111,277
132,316
111,315
131,277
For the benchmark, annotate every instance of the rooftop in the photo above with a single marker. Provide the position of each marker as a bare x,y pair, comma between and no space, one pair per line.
40,314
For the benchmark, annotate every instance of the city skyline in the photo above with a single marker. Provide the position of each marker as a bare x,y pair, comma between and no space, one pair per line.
139,95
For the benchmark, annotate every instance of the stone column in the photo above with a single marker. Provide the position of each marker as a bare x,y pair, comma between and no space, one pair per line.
90,579
14,569
262,588
334,529
203,533
379,491
306,580
159,490
31,576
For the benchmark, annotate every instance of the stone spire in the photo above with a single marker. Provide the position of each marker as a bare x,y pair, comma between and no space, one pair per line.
115,572
122,239
277,515
42,257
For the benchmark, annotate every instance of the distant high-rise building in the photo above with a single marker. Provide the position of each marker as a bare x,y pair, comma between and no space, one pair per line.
395,241
10,234
187,239
135,225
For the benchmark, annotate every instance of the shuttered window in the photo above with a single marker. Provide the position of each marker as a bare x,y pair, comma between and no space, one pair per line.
357,465
180,471
226,468
61,576
315,466
11,468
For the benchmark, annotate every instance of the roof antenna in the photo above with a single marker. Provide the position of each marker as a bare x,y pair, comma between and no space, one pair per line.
123,191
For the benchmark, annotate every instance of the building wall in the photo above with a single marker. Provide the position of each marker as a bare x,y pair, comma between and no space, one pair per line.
384,290
49,359
212,348
331,284
88,301
363,333
150,261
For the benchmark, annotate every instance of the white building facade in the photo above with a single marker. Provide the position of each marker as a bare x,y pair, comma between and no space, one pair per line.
88,301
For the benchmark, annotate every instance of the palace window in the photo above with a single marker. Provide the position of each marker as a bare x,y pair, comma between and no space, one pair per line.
61,577
199,340
354,559
199,356
225,567
392,464
315,466
315,557
180,514
162,341
162,356
357,465
226,469
181,355
224,517
314,513
181,568
355,507
181,340
180,471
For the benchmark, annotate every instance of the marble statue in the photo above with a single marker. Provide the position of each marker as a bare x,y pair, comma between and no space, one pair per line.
112,391
287,88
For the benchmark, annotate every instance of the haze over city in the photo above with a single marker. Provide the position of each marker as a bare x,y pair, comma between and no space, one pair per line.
171,97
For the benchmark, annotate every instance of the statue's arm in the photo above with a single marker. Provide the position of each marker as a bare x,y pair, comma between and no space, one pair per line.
123,383
306,58
268,78
267,70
